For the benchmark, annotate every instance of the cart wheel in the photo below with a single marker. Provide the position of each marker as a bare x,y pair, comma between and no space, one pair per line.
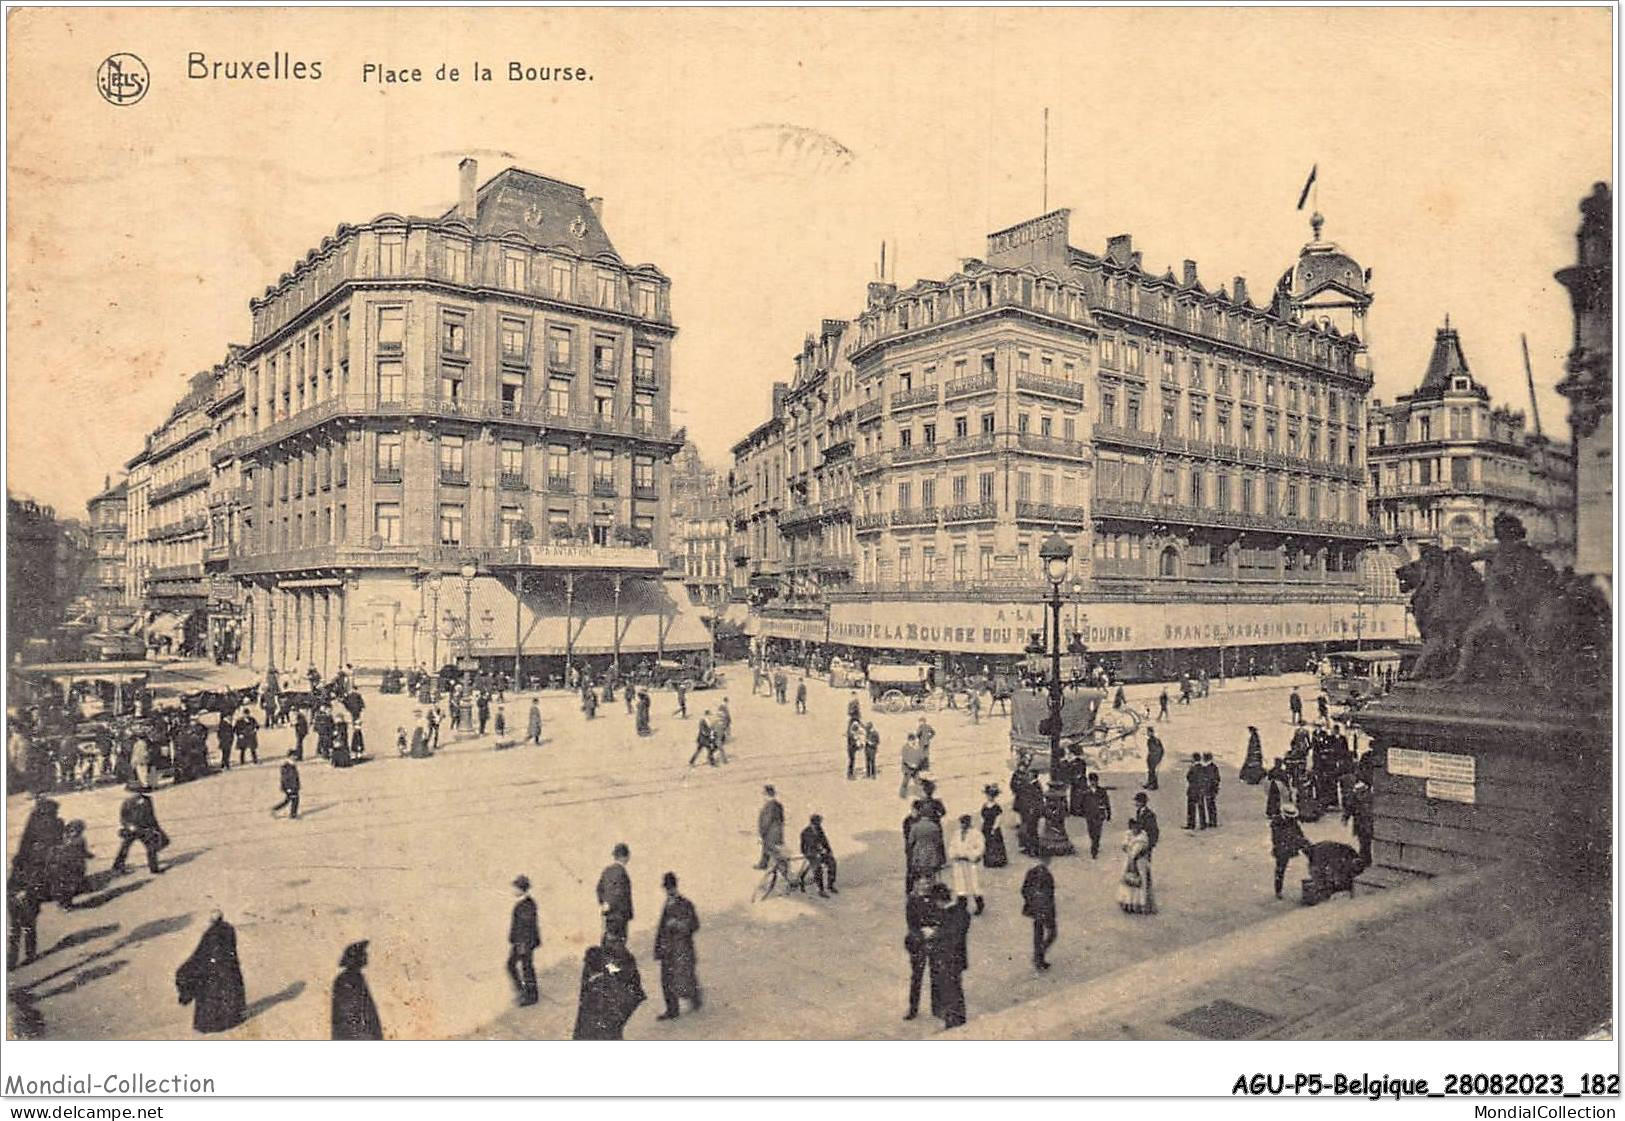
892,700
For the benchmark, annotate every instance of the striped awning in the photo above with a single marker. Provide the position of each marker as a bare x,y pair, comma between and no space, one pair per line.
654,616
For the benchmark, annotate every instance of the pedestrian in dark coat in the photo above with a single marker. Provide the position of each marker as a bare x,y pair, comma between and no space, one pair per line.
138,821
1294,704
41,835
225,732
1148,820
484,707
248,737
674,950
1210,789
1038,904
615,893
1252,768
211,980
607,998
1153,757
1028,801
533,720
948,952
1360,809
1286,841
524,936
643,713
1096,810
770,826
1321,707
322,722
801,696
820,856
290,787
355,1016
993,851
922,917
871,749
927,849
1195,793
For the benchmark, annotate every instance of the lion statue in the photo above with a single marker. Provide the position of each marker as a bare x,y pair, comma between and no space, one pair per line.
1446,595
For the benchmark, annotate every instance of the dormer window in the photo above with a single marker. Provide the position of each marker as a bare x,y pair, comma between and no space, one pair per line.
1462,385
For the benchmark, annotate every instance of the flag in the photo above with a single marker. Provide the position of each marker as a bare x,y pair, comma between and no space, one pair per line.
1303,197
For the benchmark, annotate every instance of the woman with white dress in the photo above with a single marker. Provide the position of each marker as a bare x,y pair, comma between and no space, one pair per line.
1135,894
965,849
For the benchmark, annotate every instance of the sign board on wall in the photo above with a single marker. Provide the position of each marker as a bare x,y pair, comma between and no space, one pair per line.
1450,777
967,626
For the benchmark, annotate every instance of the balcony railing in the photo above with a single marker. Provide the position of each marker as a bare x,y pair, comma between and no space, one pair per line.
869,464
970,512
386,474
923,515
865,523
1231,519
511,480
552,555
453,408
801,515
1132,437
558,484
915,453
182,485
1050,512
969,445
867,411
645,494
1051,387
914,398
192,523
453,478
603,489
1050,445
968,386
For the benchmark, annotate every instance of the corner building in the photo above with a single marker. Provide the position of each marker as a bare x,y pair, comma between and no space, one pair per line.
486,390
1444,462
1202,453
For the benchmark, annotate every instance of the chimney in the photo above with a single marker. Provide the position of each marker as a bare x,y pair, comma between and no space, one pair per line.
1120,247
1134,259
597,205
1190,272
880,291
1238,290
468,177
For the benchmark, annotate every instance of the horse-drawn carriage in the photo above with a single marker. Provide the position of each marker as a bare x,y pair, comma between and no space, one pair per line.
846,675
1102,733
899,687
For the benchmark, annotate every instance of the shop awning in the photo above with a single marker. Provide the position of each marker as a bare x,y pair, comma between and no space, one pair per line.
655,616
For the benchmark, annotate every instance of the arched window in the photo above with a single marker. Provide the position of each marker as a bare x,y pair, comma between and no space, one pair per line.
1168,562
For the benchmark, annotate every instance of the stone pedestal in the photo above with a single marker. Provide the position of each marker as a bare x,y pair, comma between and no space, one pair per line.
1476,774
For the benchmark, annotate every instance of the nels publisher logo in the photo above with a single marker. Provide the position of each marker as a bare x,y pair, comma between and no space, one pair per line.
122,79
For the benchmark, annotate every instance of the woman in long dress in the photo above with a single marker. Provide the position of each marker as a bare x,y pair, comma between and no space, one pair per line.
1053,839
212,980
643,713
1135,894
1252,769
994,854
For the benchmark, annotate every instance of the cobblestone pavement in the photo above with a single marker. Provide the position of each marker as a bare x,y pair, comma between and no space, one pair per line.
417,856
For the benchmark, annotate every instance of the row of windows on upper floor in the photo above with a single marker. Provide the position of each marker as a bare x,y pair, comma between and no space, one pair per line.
1121,479
1187,313
455,260
1421,425
328,465
327,525
306,370
1299,394
1233,430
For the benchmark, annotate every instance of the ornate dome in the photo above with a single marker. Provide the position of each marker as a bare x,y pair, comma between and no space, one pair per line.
1322,264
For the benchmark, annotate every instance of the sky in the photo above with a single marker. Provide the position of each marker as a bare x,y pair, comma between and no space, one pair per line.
760,157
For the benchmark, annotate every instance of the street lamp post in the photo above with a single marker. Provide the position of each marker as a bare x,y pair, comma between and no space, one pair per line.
1359,618
1056,555
434,617
468,572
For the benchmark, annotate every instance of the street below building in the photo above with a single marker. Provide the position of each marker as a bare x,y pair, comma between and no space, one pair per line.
418,855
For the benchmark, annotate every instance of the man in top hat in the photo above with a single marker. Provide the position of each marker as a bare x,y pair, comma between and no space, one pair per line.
524,936
674,950
290,787
1095,807
1146,816
615,893
355,1016
1038,904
